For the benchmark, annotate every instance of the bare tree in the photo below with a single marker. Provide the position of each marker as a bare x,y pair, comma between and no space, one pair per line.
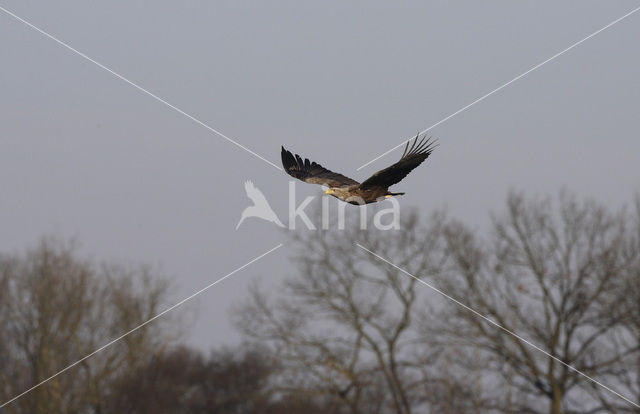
229,381
628,306
57,308
552,272
344,328
350,329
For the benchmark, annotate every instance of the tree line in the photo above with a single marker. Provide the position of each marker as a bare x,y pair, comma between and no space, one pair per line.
533,315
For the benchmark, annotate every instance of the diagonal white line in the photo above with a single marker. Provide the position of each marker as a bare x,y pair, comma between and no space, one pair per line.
140,326
464,108
140,88
499,326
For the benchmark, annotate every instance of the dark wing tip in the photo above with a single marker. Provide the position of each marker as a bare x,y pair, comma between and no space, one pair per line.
310,171
420,147
415,152
288,160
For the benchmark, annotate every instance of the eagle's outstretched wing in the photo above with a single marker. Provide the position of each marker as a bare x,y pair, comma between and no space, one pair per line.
312,172
411,158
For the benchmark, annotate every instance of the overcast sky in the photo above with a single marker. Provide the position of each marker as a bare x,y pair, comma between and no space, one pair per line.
84,154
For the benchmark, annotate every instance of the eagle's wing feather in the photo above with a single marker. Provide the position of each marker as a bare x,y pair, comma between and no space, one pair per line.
411,158
312,172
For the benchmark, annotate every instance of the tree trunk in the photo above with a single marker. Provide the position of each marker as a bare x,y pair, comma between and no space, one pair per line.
556,402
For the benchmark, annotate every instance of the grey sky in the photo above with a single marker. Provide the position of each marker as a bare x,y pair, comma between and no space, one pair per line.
85,155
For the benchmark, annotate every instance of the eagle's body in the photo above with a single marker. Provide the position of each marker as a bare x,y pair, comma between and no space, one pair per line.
374,188
353,194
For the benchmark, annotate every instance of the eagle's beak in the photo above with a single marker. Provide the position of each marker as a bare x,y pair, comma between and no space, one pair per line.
329,191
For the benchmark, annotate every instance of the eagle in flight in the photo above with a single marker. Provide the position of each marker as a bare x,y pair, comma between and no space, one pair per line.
374,188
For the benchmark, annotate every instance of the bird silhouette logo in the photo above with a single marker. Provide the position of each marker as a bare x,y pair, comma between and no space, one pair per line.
260,207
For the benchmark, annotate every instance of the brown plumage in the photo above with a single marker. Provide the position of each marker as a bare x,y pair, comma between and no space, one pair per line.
374,188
